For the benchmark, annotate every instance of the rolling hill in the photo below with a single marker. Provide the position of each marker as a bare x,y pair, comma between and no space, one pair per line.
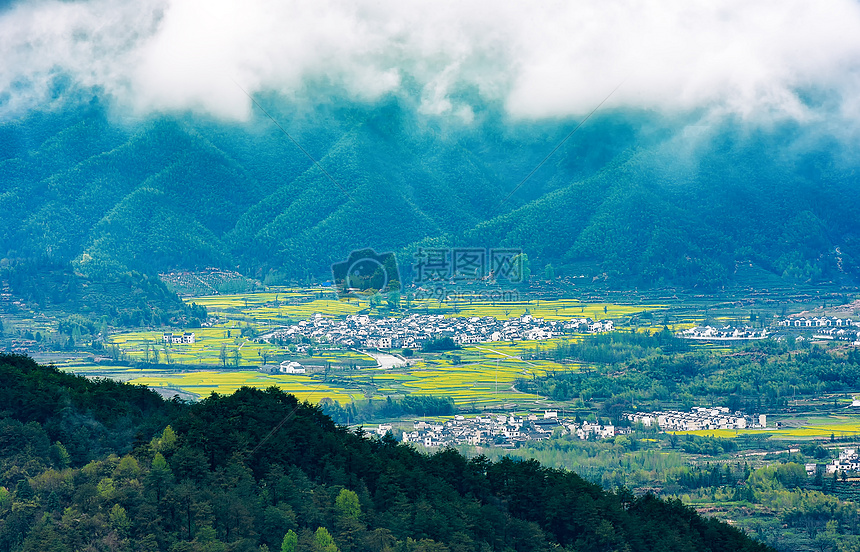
105,465
631,199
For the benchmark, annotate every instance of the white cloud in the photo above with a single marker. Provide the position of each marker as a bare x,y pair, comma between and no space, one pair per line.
764,60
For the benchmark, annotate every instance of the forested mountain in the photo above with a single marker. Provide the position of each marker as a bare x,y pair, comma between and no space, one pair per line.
631,198
102,465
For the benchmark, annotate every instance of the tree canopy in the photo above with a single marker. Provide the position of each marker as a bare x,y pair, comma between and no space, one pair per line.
260,468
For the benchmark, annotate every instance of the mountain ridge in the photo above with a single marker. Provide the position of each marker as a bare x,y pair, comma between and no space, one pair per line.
183,193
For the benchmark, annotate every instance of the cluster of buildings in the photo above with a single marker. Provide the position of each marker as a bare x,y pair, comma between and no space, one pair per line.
414,330
499,430
698,418
725,333
825,327
822,328
185,338
848,460
838,334
816,322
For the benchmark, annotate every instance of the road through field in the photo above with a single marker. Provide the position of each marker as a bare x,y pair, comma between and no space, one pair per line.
385,361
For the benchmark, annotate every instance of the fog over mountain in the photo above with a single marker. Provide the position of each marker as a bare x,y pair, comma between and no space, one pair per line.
725,137
761,62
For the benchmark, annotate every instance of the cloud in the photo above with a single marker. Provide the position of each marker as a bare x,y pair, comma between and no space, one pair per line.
757,61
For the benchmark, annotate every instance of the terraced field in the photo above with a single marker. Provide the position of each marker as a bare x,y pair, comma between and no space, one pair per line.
205,351
476,375
206,382
480,375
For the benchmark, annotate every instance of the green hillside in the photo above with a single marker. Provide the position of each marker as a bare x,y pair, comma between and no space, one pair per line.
627,200
101,465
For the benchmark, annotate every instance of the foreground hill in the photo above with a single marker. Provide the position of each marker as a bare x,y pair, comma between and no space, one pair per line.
631,198
94,465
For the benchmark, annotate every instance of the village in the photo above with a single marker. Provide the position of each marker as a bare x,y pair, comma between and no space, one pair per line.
725,333
821,328
816,322
501,430
848,461
697,419
509,431
414,331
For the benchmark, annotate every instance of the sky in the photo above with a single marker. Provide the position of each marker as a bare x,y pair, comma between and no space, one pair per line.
764,61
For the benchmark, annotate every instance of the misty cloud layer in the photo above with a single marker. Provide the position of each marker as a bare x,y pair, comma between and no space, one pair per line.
758,61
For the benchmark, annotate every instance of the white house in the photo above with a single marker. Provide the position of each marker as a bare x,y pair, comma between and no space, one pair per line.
292,367
596,327
185,338
587,429
383,429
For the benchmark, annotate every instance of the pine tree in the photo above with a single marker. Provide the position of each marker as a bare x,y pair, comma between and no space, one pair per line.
291,542
160,476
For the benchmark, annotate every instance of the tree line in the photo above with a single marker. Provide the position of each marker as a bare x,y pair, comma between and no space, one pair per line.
258,470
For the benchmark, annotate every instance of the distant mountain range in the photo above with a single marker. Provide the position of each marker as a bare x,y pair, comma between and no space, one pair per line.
631,199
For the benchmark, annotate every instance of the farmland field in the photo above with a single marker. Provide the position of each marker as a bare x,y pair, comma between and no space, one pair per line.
203,383
550,309
475,375
481,375
298,304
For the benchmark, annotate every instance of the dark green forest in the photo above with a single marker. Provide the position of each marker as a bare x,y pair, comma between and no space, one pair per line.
628,200
122,298
102,465
653,371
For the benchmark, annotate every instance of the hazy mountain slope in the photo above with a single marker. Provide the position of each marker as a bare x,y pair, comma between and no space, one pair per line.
393,194
629,198
647,220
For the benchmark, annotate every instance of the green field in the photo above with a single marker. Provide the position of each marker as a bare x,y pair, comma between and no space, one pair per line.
203,383
482,375
476,375
550,309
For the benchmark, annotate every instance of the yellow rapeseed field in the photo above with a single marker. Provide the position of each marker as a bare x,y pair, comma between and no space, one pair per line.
477,374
